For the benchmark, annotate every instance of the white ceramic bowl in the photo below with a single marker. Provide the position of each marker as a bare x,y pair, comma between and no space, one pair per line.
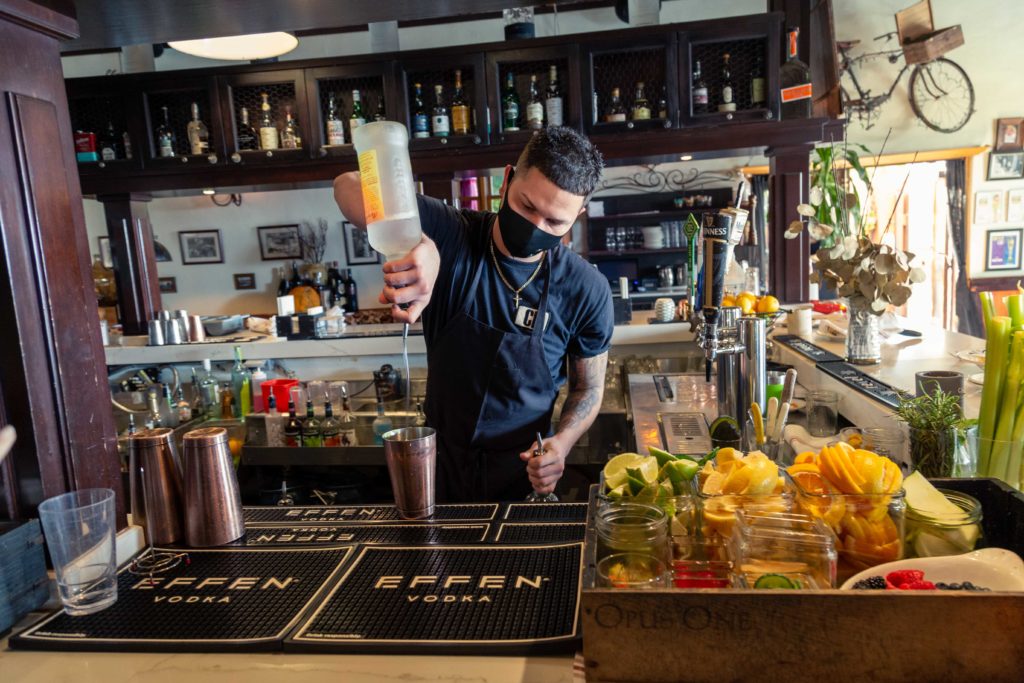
994,568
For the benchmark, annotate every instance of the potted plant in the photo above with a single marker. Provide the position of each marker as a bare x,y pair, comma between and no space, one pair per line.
935,421
314,244
869,274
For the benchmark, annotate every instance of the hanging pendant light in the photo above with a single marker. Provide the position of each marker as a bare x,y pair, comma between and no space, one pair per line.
251,46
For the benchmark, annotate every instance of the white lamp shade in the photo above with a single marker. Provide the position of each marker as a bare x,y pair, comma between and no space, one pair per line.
251,46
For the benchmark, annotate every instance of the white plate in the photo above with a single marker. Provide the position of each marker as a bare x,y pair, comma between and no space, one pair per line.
977,378
995,568
976,357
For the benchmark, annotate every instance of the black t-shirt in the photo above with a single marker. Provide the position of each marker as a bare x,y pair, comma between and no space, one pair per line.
580,316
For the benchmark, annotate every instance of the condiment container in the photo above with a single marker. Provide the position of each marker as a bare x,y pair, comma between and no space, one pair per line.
934,534
796,546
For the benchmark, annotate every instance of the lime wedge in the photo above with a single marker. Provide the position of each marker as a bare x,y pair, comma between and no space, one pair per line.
615,469
661,456
775,581
679,473
634,484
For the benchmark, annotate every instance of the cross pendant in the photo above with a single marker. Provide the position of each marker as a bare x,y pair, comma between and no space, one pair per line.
515,301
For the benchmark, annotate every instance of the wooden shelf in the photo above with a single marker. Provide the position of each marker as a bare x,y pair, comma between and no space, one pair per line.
658,215
639,252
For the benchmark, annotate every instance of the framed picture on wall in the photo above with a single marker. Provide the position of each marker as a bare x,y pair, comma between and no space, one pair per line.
105,256
1005,166
279,242
1008,135
245,280
987,207
357,246
1002,249
200,246
168,285
1015,206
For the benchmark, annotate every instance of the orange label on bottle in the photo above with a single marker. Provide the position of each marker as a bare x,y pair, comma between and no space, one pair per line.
369,180
797,92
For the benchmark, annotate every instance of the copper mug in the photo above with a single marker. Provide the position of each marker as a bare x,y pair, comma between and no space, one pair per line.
155,485
213,505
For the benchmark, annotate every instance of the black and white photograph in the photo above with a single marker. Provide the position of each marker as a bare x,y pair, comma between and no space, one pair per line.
357,246
1005,166
105,256
278,242
200,246
245,280
168,285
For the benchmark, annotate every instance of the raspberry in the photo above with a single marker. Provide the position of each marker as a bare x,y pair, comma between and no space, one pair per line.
904,576
921,586
871,583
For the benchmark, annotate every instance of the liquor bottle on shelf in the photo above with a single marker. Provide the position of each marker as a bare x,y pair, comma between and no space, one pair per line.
357,118
552,110
663,103
168,409
616,111
700,91
153,418
182,407
293,427
440,123
510,105
291,136
351,292
311,437
108,144
256,380
209,388
795,81
346,421
126,142
227,402
641,107
758,87
330,428
379,113
460,108
726,96
269,138
335,126
247,138
198,133
282,284
198,406
296,280
420,120
534,106
165,139
381,423
241,386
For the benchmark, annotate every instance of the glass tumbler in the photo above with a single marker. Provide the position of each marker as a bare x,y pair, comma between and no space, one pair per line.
822,413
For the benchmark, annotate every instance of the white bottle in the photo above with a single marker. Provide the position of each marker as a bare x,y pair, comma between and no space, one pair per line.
259,376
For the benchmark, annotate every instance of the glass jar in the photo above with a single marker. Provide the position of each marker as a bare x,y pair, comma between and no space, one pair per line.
869,527
887,441
518,23
632,528
934,534
701,563
635,571
797,546
933,451
717,512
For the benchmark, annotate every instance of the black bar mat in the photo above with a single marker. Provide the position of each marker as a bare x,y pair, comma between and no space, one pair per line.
222,600
865,384
451,599
541,532
364,514
546,512
807,349
368,534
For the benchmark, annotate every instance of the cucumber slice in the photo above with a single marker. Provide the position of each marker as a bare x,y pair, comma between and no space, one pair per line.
775,581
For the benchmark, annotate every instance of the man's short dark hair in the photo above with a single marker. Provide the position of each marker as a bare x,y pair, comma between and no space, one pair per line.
566,158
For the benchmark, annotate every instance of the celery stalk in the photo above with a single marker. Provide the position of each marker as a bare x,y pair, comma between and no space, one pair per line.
1014,469
997,349
988,306
1002,454
1015,307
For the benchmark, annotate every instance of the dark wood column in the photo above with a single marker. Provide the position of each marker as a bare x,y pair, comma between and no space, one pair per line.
52,369
788,170
437,185
131,245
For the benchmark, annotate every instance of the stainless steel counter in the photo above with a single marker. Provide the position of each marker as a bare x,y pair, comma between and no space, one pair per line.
657,410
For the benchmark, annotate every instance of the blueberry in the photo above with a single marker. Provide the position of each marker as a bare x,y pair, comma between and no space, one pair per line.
957,586
968,586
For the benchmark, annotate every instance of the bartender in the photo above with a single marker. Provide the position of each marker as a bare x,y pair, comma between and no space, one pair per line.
513,314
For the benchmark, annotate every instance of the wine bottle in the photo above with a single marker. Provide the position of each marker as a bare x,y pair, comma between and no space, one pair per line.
510,105
247,138
198,133
311,437
553,108
795,81
335,126
758,88
293,427
700,91
534,106
420,120
726,97
616,112
165,139
440,123
269,138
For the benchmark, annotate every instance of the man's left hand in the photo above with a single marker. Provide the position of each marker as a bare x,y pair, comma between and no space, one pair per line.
545,470
410,280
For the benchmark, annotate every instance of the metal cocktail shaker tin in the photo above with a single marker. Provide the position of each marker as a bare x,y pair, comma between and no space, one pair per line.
155,485
196,331
213,505
156,333
411,454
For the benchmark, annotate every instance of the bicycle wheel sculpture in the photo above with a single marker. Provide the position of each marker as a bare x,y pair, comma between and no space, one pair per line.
941,95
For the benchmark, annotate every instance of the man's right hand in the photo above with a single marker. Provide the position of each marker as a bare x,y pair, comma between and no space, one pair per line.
410,280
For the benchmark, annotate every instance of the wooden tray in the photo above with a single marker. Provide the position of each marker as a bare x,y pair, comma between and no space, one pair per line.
829,635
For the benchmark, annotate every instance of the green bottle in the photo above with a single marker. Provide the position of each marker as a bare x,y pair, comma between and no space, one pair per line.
241,386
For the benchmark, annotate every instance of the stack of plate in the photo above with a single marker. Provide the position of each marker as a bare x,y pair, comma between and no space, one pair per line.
654,237
664,310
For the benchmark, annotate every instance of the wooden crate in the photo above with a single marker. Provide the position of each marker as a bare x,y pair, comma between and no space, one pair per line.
793,636
918,37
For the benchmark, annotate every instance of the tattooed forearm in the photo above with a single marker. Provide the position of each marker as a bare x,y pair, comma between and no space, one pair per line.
586,391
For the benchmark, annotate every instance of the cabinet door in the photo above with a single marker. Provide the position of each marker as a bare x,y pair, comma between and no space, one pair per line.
753,45
441,71
286,94
176,95
650,62
522,64
375,84
97,103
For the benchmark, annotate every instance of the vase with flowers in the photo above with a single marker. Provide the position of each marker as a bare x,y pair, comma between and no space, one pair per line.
851,257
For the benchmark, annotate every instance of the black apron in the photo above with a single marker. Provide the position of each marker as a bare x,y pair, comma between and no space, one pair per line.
488,394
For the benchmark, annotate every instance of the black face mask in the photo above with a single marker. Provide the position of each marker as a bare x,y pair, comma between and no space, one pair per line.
521,237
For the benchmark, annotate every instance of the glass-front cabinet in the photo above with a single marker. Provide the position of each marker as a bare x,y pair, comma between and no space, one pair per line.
267,117
343,98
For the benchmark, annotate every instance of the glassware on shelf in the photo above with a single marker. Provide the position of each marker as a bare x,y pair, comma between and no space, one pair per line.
822,413
316,391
